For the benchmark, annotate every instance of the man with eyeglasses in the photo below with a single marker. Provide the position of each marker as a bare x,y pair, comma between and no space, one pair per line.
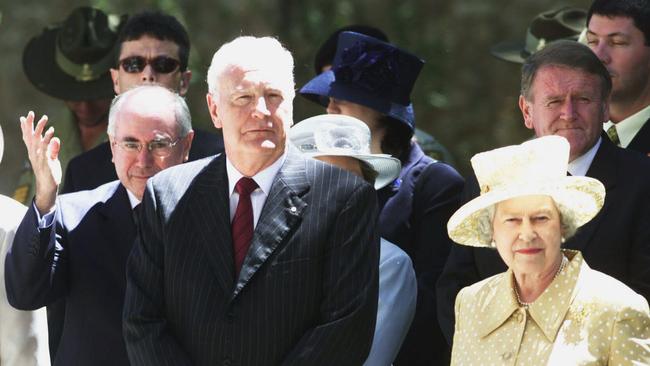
75,246
154,49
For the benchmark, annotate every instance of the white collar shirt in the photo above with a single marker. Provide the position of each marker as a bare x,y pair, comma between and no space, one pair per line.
133,200
579,166
629,127
264,180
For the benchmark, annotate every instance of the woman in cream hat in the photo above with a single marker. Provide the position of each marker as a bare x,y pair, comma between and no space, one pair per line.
549,307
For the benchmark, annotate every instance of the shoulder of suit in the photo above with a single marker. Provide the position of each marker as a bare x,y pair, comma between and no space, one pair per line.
86,199
187,169
318,171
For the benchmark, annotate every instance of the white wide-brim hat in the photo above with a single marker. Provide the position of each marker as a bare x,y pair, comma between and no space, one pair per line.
536,167
340,135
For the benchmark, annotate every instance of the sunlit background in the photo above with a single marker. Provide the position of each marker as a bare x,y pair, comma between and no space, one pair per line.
464,97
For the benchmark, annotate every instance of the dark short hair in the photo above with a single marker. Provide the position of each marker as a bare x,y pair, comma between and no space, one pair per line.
638,10
161,26
569,54
397,140
369,174
327,51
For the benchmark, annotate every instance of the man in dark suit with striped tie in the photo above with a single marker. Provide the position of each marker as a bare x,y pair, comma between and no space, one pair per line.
258,256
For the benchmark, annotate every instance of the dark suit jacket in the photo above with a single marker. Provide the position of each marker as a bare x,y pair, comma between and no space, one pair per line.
95,167
414,214
80,257
641,141
616,241
307,290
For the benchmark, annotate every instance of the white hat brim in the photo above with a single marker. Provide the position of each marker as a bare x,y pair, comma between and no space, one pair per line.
386,166
583,196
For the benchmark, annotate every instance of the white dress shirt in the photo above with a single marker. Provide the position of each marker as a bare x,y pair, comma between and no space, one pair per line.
579,166
629,127
264,180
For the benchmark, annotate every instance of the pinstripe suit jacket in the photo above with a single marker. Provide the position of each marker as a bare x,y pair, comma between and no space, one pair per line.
307,291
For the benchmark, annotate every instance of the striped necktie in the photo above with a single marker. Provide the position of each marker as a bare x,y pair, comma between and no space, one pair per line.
613,135
242,222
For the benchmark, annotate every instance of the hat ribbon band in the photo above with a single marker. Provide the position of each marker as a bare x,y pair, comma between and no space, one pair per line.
85,71
534,44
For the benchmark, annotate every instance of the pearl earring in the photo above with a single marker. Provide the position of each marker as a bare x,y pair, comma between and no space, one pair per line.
562,240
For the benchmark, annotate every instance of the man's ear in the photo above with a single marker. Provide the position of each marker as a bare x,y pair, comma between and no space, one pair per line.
212,108
184,83
187,144
115,75
525,107
112,145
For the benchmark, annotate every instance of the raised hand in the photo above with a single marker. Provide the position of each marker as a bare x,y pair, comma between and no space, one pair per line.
43,150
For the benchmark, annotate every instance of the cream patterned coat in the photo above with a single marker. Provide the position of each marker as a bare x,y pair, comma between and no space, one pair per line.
584,317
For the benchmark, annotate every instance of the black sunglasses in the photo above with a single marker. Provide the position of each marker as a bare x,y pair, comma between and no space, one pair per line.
159,64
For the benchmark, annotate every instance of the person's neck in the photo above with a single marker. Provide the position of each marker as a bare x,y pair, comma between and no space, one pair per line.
377,136
619,110
88,135
531,286
250,167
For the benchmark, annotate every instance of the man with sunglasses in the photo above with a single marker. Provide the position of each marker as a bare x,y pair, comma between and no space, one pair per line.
154,49
75,246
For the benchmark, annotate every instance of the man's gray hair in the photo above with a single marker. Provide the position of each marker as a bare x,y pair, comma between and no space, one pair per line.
568,223
164,96
252,53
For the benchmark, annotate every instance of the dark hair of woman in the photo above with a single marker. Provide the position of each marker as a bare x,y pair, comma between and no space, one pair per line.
397,139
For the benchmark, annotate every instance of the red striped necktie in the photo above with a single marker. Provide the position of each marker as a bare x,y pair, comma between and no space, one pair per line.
242,223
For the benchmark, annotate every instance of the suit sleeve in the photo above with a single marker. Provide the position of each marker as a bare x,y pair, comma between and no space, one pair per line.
396,307
36,263
147,336
639,258
436,196
344,333
459,271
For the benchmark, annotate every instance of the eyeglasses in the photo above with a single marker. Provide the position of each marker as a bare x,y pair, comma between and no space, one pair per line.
159,64
157,148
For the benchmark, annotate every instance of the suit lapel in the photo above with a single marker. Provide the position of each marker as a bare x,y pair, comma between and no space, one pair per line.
212,221
641,141
282,212
603,168
119,225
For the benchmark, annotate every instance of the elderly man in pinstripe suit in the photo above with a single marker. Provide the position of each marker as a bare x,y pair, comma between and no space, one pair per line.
259,256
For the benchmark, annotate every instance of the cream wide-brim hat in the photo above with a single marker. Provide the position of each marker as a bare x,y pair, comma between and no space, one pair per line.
341,135
536,167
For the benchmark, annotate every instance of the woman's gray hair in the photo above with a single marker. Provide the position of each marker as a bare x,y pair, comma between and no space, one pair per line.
485,220
181,111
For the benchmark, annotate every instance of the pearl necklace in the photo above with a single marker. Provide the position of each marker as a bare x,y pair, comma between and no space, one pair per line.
563,264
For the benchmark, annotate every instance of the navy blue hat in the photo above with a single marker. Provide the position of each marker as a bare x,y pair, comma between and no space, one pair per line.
369,72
